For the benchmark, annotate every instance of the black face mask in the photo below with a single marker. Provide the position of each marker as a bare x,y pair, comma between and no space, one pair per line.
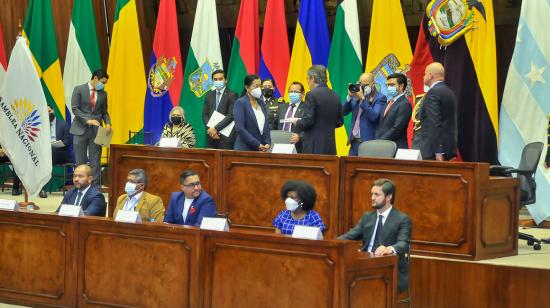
267,92
176,120
52,116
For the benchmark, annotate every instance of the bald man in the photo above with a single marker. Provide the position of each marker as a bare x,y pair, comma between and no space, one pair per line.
436,135
365,107
84,194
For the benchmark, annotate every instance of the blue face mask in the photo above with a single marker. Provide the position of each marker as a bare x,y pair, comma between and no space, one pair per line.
130,188
219,84
294,97
99,86
392,92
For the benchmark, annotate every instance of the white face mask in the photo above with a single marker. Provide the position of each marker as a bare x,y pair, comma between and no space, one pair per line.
291,204
256,93
426,88
130,188
368,90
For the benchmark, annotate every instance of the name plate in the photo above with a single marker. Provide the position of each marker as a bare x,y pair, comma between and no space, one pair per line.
308,233
71,210
213,223
169,142
408,154
128,216
9,205
284,148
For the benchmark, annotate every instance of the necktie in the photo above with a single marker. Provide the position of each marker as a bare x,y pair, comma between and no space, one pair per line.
355,131
218,97
388,108
92,99
376,241
289,113
78,197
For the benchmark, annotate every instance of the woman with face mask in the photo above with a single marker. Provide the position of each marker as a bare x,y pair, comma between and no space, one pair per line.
299,198
177,127
251,119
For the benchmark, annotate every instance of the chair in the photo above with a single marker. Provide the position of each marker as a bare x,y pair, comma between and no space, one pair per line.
408,299
5,174
68,169
104,166
377,149
280,136
140,137
530,157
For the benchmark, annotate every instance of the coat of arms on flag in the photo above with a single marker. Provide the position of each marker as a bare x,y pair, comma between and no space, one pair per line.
450,19
200,81
161,76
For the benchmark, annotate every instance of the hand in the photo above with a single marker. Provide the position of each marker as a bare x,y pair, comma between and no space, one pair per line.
108,128
383,251
439,157
92,122
263,147
213,133
294,120
294,138
2,153
545,163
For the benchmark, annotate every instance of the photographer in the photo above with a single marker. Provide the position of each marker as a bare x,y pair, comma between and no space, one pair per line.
365,104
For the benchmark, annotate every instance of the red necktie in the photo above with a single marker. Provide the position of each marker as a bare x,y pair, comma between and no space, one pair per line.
92,98
388,108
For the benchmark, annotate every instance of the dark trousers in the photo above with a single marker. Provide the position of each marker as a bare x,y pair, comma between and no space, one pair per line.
85,150
224,143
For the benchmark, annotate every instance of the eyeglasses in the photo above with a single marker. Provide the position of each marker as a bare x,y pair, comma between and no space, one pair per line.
191,185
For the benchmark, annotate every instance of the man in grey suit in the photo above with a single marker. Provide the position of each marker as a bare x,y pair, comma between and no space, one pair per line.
294,109
385,231
89,106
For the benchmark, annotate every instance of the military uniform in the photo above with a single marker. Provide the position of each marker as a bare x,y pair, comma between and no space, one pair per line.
272,106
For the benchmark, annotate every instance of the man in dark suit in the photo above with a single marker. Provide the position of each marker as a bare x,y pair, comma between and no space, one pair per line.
322,114
221,100
436,133
84,194
365,107
89,106
395,117
189,206
294,109
386,230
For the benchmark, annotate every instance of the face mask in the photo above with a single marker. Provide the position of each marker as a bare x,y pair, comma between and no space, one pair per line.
392,91
291,204
130,188
294,97
219,84
99,86
426,88
267,92
176,120
52,116
368,90
256,93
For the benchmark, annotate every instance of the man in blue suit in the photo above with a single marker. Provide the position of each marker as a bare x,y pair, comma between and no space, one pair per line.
189,206
365,106
84,194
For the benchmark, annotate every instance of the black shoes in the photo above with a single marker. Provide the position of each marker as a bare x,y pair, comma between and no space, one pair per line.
43,194
15,191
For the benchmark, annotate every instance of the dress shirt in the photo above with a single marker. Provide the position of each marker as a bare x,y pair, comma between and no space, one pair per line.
53,136
186,205
385,216
260,118
131,202
83,194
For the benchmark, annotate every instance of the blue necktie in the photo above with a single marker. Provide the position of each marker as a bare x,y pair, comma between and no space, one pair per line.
376,241
218,98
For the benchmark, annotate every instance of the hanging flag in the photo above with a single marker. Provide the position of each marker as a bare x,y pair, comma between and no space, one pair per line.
275,55
24,121
165,76
461,36
345,62
126,85
82,56
525,107
40,32
3,58
203,58
245,53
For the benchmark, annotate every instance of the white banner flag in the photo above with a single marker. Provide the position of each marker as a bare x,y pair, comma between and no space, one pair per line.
24,121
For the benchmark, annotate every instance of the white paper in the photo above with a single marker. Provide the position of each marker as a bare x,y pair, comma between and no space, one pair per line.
284,148
214,223
308,233
408,154
226,131
169,142
9,205
102,138
128,216
58,144
216,118
71,210
289,120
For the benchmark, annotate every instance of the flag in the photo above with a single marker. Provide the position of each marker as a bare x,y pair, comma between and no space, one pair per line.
82,57
126,86
461,36
165,77
3,58
40,32
245,53
203,58
345,62
389,53
275,55
525,107
24,121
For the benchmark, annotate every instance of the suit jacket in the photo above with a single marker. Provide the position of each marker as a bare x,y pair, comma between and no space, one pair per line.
322,114
225,107
62,155
149,206
281,115
394,125
81,105
396,232
438,123
370,116
203,206
92,203
249,137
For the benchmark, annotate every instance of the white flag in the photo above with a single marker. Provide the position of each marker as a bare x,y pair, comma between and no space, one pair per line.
24,121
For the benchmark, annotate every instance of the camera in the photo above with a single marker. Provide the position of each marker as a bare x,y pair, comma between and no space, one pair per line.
354,87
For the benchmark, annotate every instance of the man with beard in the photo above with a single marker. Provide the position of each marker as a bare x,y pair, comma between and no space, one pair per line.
84,193
385,230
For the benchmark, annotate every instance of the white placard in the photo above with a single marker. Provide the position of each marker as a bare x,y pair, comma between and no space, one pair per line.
308,233
128,216
284,148
169,142
214,223
408,154
71,210
58,144
9,205
216,118
289,120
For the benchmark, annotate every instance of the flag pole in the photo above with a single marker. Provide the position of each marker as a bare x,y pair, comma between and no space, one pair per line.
106,18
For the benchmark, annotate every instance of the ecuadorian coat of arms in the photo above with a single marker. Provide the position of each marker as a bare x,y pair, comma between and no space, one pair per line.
161,76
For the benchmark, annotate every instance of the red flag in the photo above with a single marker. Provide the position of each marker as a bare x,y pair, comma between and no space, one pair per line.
3,58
